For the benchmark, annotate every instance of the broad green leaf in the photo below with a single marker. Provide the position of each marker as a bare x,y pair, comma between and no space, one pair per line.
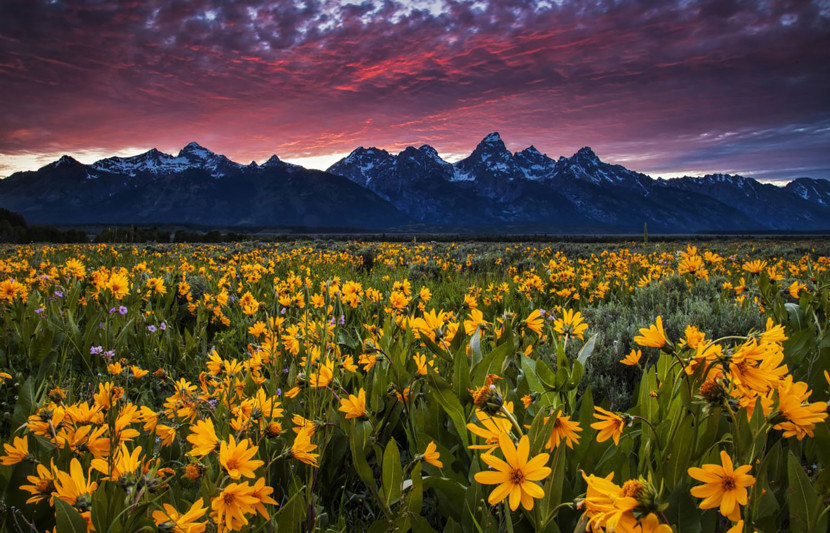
291,515
415,500
392,473
475,347
529,371
587,349
67,519
445,397
357,444
492,362
804,503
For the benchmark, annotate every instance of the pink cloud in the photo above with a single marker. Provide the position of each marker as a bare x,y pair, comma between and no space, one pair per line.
253,78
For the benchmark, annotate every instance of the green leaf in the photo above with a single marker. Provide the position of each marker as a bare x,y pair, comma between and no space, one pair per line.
392,473
475,346
420,525
680,447
47,366
493,361
554,484
545,374
796,315
688,514
451,489
443,394
461,373
434,348
291,514
25,405
587,349
822,441
529,371
67,519
415,499
380,526
577,371
357,444
804,504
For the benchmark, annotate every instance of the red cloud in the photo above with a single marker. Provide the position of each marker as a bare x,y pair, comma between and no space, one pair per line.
642,81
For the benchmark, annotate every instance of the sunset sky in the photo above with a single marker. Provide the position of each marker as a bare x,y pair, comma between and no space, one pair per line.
664,87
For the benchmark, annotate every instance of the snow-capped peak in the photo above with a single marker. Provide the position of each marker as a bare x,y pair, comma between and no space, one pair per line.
430,151
490,161
272,161
192,156
492,138
65,160
813,190
533,164
586,154
195,150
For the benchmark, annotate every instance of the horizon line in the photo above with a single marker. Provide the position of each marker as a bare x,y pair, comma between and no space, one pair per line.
325,161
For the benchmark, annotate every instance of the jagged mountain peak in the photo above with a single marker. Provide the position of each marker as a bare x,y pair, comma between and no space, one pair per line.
533,164
586,154
64,161
530,150
194,149
724,177
362,164
810,189
721,178
422,151
490,165
586,166
364,153
490,186
427,149
490,147
492,141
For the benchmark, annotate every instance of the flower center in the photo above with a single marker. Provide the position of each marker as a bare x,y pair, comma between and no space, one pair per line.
630,488
229,499
517,477
728,483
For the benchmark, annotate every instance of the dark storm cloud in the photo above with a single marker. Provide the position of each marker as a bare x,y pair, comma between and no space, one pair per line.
661,86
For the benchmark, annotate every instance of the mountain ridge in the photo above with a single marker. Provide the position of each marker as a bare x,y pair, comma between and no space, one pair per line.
490,188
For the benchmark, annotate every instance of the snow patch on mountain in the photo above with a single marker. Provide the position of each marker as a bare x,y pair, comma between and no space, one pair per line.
192,156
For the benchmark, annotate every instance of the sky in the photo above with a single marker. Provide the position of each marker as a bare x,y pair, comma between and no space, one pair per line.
666,87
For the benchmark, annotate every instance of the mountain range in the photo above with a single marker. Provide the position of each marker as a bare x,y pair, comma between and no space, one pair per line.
491,190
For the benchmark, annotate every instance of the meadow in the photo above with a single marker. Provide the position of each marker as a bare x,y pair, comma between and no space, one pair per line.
451,387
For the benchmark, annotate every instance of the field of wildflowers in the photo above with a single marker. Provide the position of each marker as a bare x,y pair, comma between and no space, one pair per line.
423,387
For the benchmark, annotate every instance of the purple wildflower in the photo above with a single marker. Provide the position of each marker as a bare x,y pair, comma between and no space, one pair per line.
151,328
122,309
